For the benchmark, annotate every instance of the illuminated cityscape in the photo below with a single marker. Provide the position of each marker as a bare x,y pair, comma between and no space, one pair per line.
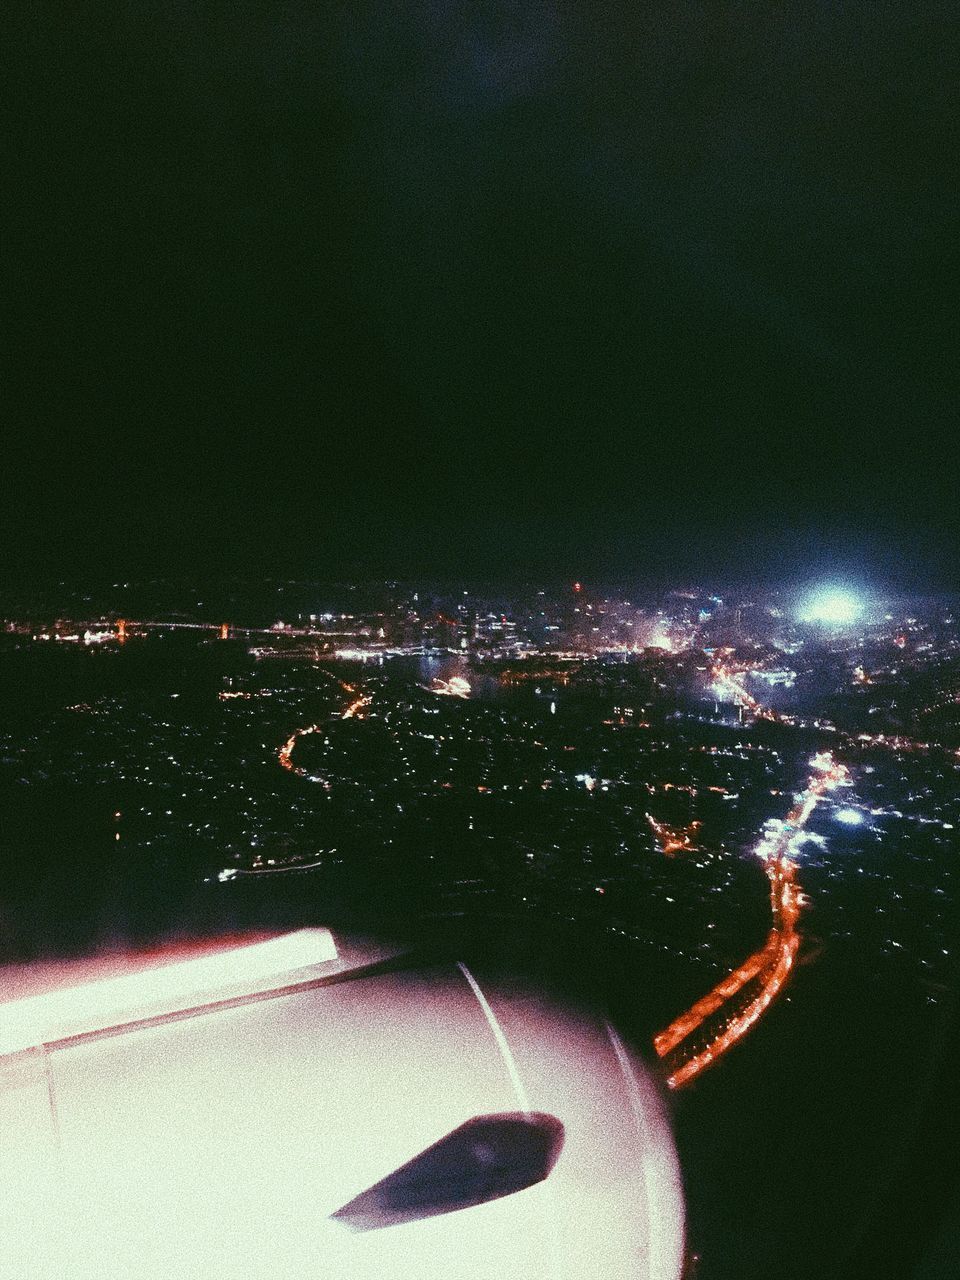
551,722
480,642
733,818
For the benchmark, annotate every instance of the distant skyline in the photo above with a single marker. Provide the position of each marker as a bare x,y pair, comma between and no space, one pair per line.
513,289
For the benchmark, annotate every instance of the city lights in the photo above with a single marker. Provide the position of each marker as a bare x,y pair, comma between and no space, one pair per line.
581,744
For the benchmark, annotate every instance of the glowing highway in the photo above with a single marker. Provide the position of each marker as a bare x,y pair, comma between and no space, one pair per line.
767,969
696,1039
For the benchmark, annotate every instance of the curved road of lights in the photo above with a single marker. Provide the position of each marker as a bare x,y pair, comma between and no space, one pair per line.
770,965
353,710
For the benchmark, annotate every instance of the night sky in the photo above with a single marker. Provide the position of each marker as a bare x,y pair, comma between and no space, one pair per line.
547,286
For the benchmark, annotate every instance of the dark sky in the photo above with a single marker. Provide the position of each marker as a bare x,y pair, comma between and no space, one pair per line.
558,285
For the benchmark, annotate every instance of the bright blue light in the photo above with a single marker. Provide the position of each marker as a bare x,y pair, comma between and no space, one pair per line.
852,817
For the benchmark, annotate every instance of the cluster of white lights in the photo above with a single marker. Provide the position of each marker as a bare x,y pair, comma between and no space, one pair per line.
850,817
834,608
